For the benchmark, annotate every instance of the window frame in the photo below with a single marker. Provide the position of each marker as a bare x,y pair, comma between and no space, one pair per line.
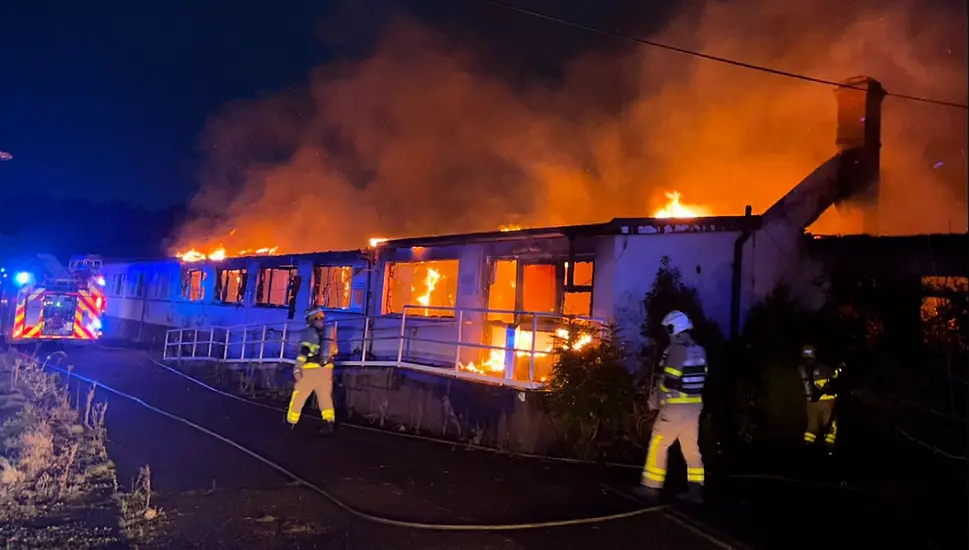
221,288
262,281
185,284
562,288
389,269
315,289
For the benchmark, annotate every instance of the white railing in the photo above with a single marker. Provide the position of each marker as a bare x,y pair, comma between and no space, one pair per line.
494,346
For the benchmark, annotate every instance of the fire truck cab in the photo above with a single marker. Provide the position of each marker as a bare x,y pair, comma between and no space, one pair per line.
41,300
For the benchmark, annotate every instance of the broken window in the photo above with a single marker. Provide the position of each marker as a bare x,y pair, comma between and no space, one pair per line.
431,285
230,285
503,290
332,287
192,289
275,286
543,288
578,299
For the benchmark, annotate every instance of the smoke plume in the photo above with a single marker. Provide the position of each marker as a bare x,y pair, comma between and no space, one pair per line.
420,139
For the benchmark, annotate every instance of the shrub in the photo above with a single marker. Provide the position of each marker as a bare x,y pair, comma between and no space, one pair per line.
591,391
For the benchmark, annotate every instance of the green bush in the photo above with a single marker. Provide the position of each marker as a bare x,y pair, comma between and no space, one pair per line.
591,392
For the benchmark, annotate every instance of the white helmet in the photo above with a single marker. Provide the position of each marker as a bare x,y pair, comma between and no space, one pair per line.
676,322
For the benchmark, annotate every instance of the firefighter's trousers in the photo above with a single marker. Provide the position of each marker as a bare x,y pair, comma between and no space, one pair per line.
676,421
820,417
315,379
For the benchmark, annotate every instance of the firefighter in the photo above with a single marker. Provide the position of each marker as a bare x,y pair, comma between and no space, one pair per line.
314,372
680,402
819,381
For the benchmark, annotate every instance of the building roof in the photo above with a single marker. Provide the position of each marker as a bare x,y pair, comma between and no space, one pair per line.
617,226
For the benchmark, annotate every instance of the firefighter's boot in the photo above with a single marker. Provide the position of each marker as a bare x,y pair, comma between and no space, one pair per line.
648,495
693,495
327,429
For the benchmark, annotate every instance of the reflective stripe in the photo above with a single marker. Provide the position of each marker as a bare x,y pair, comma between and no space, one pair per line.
653,475
809,437
674,372
694,475
329,415
292,416
316,366
686,399
827,397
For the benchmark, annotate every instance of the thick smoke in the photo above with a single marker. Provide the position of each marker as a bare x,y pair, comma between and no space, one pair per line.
419,139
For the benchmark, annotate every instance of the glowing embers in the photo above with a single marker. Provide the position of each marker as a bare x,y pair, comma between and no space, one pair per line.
676,209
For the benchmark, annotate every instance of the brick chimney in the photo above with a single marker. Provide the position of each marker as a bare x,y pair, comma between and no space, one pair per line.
859,141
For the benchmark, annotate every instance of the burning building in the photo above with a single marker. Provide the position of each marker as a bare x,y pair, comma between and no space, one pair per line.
494,304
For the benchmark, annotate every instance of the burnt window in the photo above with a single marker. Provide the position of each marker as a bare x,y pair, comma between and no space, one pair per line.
138,288
275,286
192,289
230,285
432,286
333,287
539,286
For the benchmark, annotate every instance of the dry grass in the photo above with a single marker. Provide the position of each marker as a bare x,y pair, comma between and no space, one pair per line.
56,481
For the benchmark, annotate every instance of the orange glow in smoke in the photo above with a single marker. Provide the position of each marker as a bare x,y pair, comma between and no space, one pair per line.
675,209
377,241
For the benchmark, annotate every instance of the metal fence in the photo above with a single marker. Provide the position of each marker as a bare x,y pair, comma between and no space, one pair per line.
494,346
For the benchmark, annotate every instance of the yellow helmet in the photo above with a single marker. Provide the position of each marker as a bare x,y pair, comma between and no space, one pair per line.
314,314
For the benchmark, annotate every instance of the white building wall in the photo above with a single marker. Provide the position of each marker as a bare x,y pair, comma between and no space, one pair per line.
705,262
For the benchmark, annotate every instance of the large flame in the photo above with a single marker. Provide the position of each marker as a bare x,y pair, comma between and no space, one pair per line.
675,209
430,283
219,253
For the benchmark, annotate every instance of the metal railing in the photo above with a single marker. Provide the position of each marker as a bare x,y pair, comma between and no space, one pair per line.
494,346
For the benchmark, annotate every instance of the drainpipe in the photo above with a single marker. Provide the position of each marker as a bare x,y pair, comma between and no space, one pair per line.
738,256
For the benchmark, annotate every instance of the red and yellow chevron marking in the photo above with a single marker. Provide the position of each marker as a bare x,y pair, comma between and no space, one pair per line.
81,331
87,303
20,329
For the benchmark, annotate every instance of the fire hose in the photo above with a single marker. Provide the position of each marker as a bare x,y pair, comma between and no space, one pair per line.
691,524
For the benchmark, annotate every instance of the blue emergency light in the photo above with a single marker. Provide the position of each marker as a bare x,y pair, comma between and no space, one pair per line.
23,278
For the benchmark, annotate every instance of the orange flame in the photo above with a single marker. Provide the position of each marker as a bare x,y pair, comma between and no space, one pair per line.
495,363
219,254
675,209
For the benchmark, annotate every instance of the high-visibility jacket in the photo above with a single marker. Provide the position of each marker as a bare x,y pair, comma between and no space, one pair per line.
684,371
818,380
315,349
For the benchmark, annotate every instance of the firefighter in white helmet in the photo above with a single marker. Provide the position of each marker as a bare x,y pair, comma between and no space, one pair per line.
679,396
314,372
819,382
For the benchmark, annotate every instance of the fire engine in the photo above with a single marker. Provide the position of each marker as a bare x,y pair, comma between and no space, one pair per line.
40,300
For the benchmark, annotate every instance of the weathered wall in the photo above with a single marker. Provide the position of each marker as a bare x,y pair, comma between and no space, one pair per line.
418,402
488,415
705,261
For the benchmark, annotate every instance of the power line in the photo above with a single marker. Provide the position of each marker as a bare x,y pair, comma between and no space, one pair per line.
724,60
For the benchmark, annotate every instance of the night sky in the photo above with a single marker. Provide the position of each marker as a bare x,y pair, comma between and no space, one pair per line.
105,100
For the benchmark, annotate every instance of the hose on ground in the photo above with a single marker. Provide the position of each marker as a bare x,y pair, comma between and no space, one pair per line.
765,477
350,509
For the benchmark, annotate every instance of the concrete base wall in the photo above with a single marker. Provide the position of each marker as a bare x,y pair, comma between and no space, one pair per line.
405,400
486,415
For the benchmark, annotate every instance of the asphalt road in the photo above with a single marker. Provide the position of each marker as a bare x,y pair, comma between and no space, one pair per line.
378,473
412,480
